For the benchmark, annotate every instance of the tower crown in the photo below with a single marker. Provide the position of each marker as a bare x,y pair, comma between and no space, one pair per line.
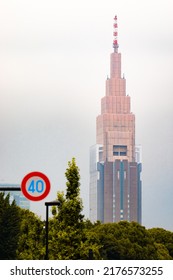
115,35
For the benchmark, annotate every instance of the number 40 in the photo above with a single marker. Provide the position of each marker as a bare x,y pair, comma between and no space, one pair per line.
37,186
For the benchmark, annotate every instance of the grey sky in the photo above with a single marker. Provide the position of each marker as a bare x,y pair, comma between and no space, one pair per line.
54,59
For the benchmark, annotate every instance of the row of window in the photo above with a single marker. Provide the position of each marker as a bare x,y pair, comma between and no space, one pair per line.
119,150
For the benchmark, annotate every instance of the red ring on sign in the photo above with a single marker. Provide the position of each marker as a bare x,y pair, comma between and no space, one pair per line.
24,185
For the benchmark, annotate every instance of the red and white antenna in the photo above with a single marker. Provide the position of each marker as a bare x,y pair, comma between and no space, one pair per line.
115,34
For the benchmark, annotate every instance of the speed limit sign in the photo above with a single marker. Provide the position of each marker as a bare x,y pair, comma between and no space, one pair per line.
35,186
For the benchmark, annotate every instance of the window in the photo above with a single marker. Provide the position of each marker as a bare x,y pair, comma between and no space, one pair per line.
119,150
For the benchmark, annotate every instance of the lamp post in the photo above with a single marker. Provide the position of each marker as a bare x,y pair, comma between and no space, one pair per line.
90,254
47,204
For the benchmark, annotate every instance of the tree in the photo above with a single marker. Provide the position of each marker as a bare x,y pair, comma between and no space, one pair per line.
9,227
67,226
162,252
124,241
164,238
92,242
31,243
129,241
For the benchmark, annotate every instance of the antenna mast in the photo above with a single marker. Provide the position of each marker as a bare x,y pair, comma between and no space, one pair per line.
115,35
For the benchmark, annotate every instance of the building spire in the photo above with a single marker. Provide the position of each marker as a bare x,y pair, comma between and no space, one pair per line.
115,35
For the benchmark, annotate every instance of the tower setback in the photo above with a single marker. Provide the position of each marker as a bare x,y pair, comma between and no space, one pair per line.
115,167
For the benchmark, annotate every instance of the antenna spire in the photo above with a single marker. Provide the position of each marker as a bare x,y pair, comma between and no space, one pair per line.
115,35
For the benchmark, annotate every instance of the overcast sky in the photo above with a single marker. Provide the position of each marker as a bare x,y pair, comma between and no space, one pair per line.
54,60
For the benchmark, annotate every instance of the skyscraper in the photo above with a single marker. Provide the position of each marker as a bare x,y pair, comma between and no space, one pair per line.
115,184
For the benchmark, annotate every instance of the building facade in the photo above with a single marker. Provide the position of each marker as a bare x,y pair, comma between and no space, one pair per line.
115,161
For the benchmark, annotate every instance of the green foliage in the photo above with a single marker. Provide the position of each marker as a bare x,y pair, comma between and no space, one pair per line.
9,228
162,252
67,227
73,177
91,242
165,238
31,244
124,240
128,241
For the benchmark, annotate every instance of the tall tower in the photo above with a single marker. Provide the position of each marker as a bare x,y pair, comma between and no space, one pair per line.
115,184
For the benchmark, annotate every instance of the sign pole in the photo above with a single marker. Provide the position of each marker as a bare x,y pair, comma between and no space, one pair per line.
47,218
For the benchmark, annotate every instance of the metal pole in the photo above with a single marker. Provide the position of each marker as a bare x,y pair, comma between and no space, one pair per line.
90,254
47,204
7,189
47,217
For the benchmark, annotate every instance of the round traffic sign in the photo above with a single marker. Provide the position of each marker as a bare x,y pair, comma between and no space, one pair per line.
35,186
